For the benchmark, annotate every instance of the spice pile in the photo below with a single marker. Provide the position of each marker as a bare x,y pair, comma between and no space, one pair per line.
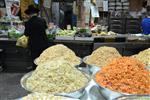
144,56
103,55
58,51
126,75
57,76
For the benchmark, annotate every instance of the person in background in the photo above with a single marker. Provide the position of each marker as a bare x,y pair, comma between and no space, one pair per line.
142,12
146,23
1,13
35,29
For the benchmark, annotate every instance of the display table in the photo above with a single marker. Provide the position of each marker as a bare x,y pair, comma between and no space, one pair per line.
17,59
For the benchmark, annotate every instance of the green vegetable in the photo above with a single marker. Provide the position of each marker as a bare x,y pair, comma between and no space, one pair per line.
14,34
51,36
66,32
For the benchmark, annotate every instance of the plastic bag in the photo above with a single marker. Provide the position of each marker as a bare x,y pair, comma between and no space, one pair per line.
22,41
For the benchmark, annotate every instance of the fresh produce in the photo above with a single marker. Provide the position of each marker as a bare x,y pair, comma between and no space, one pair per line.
66,33
111,33
99,28
83,33
50,36
7,20
125,75
104,33
102,56
51,33
82,30
4,23
56,76
4,27
14,34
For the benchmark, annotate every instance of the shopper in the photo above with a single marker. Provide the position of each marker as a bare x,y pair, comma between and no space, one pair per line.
146,23
35,29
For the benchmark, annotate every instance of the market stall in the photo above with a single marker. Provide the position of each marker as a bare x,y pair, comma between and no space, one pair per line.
99,69
96,51
81,46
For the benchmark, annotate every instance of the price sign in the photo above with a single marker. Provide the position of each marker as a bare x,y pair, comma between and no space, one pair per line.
94,11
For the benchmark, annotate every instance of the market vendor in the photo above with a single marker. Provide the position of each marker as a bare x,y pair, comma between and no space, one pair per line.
146,23
35,29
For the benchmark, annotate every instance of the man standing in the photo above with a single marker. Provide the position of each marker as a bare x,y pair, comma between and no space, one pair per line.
146,23
35,29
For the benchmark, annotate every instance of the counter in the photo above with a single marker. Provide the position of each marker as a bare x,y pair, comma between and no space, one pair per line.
17,59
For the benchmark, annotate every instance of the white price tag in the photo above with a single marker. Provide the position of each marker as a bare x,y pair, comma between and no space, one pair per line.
94,11
105,5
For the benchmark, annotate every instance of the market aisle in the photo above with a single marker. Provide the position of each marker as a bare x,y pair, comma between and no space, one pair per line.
10,87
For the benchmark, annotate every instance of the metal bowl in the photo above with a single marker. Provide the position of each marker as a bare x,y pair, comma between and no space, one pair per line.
24,79
148,67
74,94
107,93
34,94
84,59
134,97
91,67
35,61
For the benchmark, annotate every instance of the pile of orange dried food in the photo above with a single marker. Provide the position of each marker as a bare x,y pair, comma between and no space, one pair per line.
126,75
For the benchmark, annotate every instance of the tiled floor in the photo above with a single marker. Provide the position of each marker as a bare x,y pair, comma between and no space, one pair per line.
10,87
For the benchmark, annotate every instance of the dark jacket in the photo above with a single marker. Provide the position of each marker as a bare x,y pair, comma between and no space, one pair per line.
35,29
